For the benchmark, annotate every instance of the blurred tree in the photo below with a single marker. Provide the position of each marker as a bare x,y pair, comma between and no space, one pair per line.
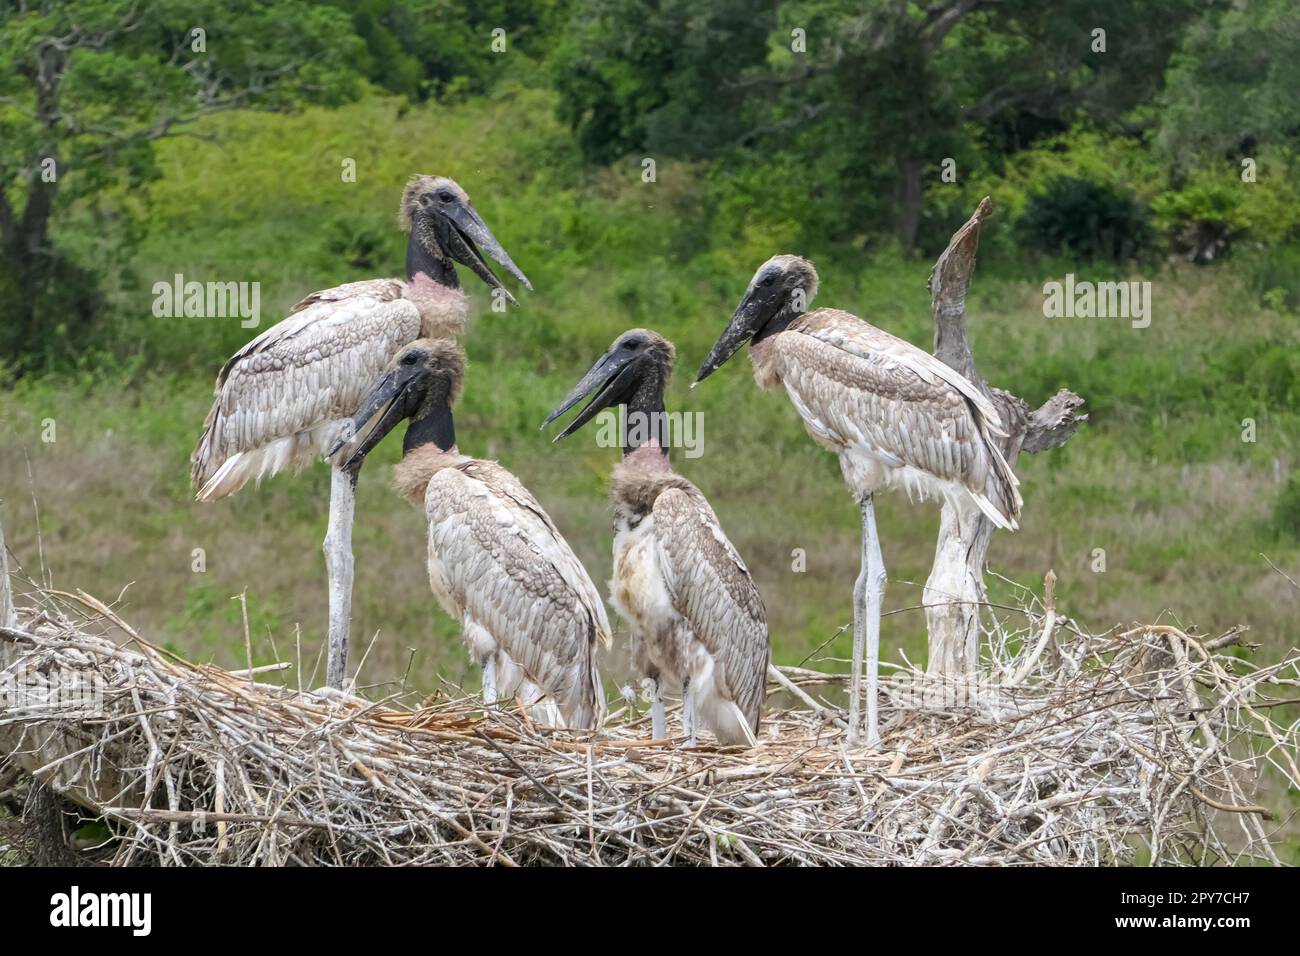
666,75
870,96
440,48
86,88
1234,85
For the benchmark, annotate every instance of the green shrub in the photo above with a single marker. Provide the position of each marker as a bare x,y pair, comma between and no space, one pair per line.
51,311
1203,220
1079,217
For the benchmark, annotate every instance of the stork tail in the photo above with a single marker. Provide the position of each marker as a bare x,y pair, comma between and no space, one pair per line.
1000,500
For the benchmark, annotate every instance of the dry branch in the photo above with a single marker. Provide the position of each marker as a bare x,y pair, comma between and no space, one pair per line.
8,613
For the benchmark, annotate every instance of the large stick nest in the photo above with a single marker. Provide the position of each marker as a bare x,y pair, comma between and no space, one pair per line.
1141,745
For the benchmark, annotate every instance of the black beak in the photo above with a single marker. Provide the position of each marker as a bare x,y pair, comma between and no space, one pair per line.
379,414
615,375
750,316
467,234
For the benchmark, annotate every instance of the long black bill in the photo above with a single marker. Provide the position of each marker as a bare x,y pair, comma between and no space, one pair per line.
470,232
614,374
379,414
745,323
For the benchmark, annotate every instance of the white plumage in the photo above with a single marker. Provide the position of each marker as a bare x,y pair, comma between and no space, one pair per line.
529,613
499,565
283,399
898,417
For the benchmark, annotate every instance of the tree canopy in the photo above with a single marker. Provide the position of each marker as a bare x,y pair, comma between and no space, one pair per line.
858,122
87,88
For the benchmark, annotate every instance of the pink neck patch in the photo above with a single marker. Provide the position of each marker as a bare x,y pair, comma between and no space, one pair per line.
650,455
423,287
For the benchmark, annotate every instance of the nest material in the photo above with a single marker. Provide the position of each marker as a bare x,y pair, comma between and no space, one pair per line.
1143,745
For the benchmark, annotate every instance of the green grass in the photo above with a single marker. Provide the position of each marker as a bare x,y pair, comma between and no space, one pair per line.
1163,448
1159,478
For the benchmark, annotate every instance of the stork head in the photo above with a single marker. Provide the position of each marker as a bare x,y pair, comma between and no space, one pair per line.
782,288
633,372
444,225
421,383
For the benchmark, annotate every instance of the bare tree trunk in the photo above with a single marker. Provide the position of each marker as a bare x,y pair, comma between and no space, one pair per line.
33,236
910,200
955,591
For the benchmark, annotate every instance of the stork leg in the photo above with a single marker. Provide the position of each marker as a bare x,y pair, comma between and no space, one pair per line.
490,681
689,716
339,567
658,715
868,595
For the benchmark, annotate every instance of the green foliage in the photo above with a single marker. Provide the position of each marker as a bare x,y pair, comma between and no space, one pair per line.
1223,203
80,116
669,85
1261,373
360,246
819,126
1275,276
130,74
91,835
1231,87
1202,220
850,107
1286,512
1077,217
442,48
1272,203
65,291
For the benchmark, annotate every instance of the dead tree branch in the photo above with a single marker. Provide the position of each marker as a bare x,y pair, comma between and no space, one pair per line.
955,589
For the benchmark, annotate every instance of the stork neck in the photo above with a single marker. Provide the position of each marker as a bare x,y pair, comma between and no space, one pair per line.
779,322
434,427
420,259
647,423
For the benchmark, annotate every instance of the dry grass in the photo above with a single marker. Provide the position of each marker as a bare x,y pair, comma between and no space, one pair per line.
111,520
1145,744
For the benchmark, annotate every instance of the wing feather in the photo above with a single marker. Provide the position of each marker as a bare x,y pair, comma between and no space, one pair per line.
711,587
307,371
892,355
858,387
496,556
